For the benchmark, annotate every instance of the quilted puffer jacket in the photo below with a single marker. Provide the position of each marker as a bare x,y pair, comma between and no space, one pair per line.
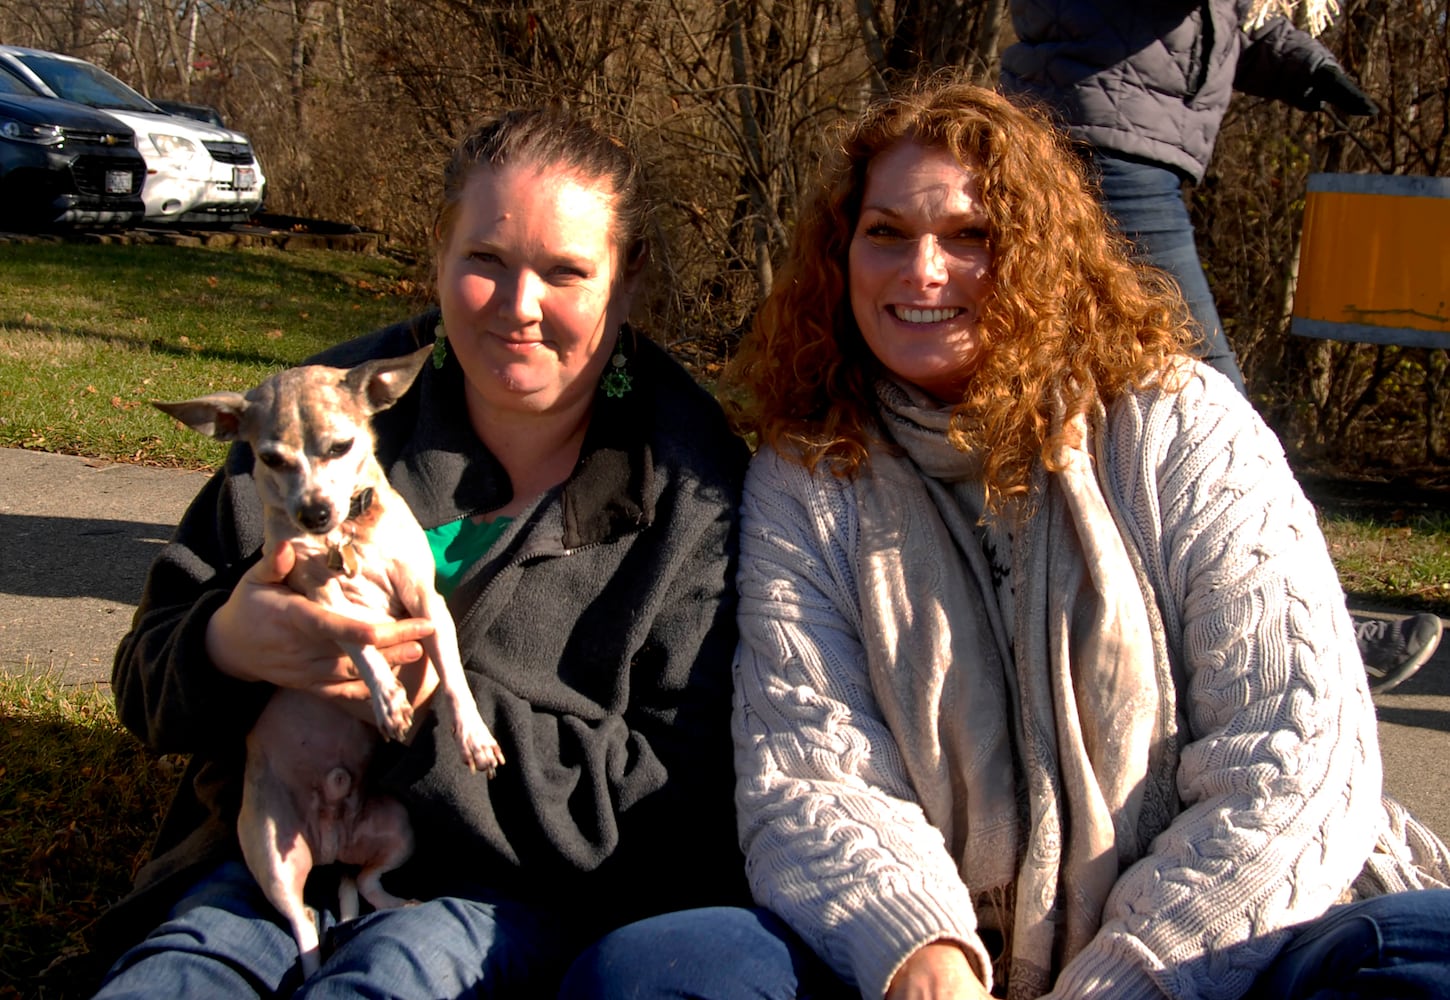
1152,80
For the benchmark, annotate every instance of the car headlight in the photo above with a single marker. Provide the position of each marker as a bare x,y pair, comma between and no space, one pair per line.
173,147
43,135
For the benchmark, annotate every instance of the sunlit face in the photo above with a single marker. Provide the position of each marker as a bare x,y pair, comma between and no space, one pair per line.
529,285
920,266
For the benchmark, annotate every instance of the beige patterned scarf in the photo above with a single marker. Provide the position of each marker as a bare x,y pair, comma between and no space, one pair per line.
1045,756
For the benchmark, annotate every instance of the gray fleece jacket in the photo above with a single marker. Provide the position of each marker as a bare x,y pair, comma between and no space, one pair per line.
597,636
1153,80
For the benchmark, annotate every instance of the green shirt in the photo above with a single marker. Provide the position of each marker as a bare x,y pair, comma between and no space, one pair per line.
459,544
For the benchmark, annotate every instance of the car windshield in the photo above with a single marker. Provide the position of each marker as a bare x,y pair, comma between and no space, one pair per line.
10,85
85,84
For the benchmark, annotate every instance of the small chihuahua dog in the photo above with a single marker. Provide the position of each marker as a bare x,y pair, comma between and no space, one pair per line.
360,552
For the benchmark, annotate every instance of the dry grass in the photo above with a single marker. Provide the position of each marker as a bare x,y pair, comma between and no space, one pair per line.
80,801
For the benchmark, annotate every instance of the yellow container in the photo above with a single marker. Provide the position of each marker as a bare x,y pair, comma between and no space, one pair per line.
1374,262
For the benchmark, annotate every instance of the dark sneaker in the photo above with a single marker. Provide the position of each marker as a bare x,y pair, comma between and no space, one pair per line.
1393,649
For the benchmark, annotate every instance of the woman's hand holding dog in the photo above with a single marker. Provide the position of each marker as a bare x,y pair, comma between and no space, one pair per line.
268,632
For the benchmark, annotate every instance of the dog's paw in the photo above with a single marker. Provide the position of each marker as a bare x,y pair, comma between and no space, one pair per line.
481,751
394,714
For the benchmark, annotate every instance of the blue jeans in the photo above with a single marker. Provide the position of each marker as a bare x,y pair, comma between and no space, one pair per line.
1390,946
719,953
1146,203
1394,946
224,939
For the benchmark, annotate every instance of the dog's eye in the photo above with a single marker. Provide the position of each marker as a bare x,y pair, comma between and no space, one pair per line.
271,459
339,449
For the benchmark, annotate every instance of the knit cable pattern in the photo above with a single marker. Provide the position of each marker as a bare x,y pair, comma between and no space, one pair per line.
1279,775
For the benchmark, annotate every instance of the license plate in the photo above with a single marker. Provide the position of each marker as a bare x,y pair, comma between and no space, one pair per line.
244,178
118,182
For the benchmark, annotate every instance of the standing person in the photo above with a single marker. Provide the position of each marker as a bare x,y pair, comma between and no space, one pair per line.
1144,88
1045,685
581,494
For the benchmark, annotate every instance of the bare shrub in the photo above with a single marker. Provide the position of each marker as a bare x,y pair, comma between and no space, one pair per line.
1351,405
353,108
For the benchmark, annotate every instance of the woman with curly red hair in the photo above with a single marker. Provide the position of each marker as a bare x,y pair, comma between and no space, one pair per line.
1062,295
1046,685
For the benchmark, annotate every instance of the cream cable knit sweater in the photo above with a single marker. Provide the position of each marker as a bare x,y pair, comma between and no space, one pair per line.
1280,771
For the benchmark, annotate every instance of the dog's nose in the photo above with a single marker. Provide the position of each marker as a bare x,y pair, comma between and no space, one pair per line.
315,517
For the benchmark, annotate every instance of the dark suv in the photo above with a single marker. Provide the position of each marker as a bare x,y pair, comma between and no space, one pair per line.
65,164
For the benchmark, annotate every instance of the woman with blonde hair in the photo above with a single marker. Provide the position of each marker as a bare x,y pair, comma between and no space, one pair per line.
1046,685
580,495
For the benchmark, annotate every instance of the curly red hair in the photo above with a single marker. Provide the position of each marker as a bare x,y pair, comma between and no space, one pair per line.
1070,319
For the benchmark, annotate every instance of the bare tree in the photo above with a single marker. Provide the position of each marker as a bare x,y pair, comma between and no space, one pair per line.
1331,401
746,89
352,107
915,37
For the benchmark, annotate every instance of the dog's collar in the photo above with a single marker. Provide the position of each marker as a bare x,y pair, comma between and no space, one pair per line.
342,557
362,500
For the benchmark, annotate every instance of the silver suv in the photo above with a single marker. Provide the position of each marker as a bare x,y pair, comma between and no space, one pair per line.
195,172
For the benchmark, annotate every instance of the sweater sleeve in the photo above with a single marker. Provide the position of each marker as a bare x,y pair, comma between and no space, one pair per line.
1279,774
167,690
834,838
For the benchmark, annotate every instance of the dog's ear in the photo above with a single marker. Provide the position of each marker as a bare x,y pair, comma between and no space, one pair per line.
382,382
218,415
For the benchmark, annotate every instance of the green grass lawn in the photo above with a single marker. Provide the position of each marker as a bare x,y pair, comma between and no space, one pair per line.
1399,563
90,333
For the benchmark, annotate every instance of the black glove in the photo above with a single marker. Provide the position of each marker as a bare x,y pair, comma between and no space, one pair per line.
1332,86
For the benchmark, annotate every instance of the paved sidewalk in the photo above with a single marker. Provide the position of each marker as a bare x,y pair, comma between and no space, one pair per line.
76,536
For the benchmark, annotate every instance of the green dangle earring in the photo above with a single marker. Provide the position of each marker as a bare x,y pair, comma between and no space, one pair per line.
617,381
440,345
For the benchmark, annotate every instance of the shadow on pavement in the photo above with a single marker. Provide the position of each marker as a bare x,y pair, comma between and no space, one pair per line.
77,556
1427,718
